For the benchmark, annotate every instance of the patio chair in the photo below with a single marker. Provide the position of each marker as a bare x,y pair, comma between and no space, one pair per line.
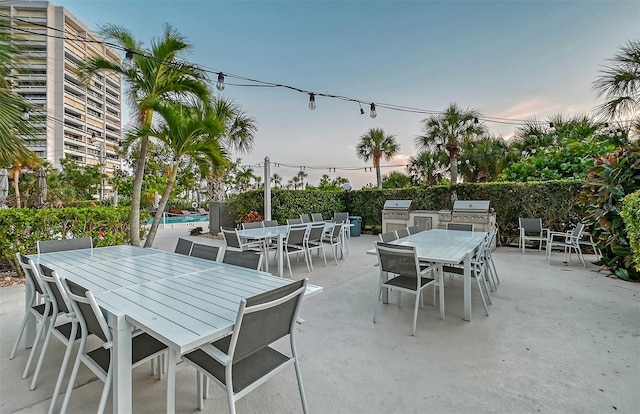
271,223
68,333
202,211
413,230
92,321
408,276
317,217
460,226
403,232
340,217
234,242
305,218
296,243
187,213
50,246
388,236
314,242
243,361
587,240
478,272
253,225
183,246
35,296
531,229
205,251
249,259
294,221
569,241
335,240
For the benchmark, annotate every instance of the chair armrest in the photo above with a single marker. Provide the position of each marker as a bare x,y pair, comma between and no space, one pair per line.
430,268
216,354
552,234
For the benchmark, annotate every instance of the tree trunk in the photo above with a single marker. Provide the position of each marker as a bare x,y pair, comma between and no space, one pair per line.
453,167
216,188
16,186
376,163
161,206
134,215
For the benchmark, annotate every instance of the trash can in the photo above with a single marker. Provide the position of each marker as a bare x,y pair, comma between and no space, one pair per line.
357,225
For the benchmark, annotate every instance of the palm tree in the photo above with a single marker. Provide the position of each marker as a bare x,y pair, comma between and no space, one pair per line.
426,166
484,159
374,145
276,179
620,83
301,177
445,133
186,131
239,133
159,74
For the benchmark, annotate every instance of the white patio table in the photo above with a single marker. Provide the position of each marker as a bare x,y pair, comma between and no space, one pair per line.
182,301
276,232
447,247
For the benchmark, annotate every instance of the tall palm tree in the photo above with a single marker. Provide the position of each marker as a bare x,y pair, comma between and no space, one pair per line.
159,74
483,159
239,134
276,179
619,84
375,145
445,133
186,131
301,177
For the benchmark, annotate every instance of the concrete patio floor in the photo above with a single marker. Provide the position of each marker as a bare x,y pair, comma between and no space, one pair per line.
559,338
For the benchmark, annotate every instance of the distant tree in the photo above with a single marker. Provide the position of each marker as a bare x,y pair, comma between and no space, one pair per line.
426,167
483,159
301,177
396,179
375,145
276,179
619,84
445,133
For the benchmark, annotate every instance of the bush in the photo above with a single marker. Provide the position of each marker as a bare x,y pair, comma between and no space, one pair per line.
631,215
610,180
21,228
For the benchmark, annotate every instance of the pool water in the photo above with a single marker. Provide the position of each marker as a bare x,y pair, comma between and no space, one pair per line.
183,219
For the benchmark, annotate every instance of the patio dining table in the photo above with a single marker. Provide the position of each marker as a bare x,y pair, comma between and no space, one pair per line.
276,232
447,247
183,301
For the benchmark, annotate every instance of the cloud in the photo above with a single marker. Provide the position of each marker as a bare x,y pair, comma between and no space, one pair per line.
525,109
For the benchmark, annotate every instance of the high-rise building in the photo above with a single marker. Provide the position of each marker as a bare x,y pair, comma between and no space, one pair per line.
73,119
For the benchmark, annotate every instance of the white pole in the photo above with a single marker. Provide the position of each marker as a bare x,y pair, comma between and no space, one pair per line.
267,188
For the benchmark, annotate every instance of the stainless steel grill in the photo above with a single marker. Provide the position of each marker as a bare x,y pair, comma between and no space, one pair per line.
471,211
397,209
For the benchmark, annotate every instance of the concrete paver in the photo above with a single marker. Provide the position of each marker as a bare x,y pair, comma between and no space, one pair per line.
559,338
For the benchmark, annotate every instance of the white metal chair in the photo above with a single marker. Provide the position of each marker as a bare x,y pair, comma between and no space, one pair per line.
183,246
388,236
404,232
248,259
460,226
92,321
314,242
334,238
50,246
531,229
569,241
243,361
294,221
317,217
305,218
204,251
413,230
407,276
253,225
295,243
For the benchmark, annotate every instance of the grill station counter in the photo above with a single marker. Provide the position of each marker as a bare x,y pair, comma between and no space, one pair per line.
399,214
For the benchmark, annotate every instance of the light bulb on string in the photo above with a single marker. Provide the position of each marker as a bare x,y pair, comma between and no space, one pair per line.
25,114
220,83
373,112
361,110
127,62
312,101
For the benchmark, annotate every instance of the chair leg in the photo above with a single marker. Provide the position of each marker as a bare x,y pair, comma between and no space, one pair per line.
440,276
415,313
484,303
45,346
22,329
199,391
63,367
43,323
379,299
105,390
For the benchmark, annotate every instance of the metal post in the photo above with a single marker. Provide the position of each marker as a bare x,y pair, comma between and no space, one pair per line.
102,162
267,188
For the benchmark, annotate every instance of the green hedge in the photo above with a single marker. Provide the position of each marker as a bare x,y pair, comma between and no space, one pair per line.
21,228
631,215
556,202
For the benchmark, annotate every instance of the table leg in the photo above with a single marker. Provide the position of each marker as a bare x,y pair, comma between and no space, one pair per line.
467,287
280,251
171,381
121,364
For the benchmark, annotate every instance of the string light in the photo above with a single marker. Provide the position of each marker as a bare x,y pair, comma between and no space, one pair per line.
475,120
220,83
127,62
25,114
312,101
373,113
361,110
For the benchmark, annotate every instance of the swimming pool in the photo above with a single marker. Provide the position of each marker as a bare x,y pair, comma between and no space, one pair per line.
181,219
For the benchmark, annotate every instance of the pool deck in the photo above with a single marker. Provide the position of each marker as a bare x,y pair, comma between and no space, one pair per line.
560,339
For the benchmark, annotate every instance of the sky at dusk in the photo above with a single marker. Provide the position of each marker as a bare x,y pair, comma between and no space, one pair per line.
507,59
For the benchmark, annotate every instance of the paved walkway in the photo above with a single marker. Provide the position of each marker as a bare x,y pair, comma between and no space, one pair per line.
560,339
